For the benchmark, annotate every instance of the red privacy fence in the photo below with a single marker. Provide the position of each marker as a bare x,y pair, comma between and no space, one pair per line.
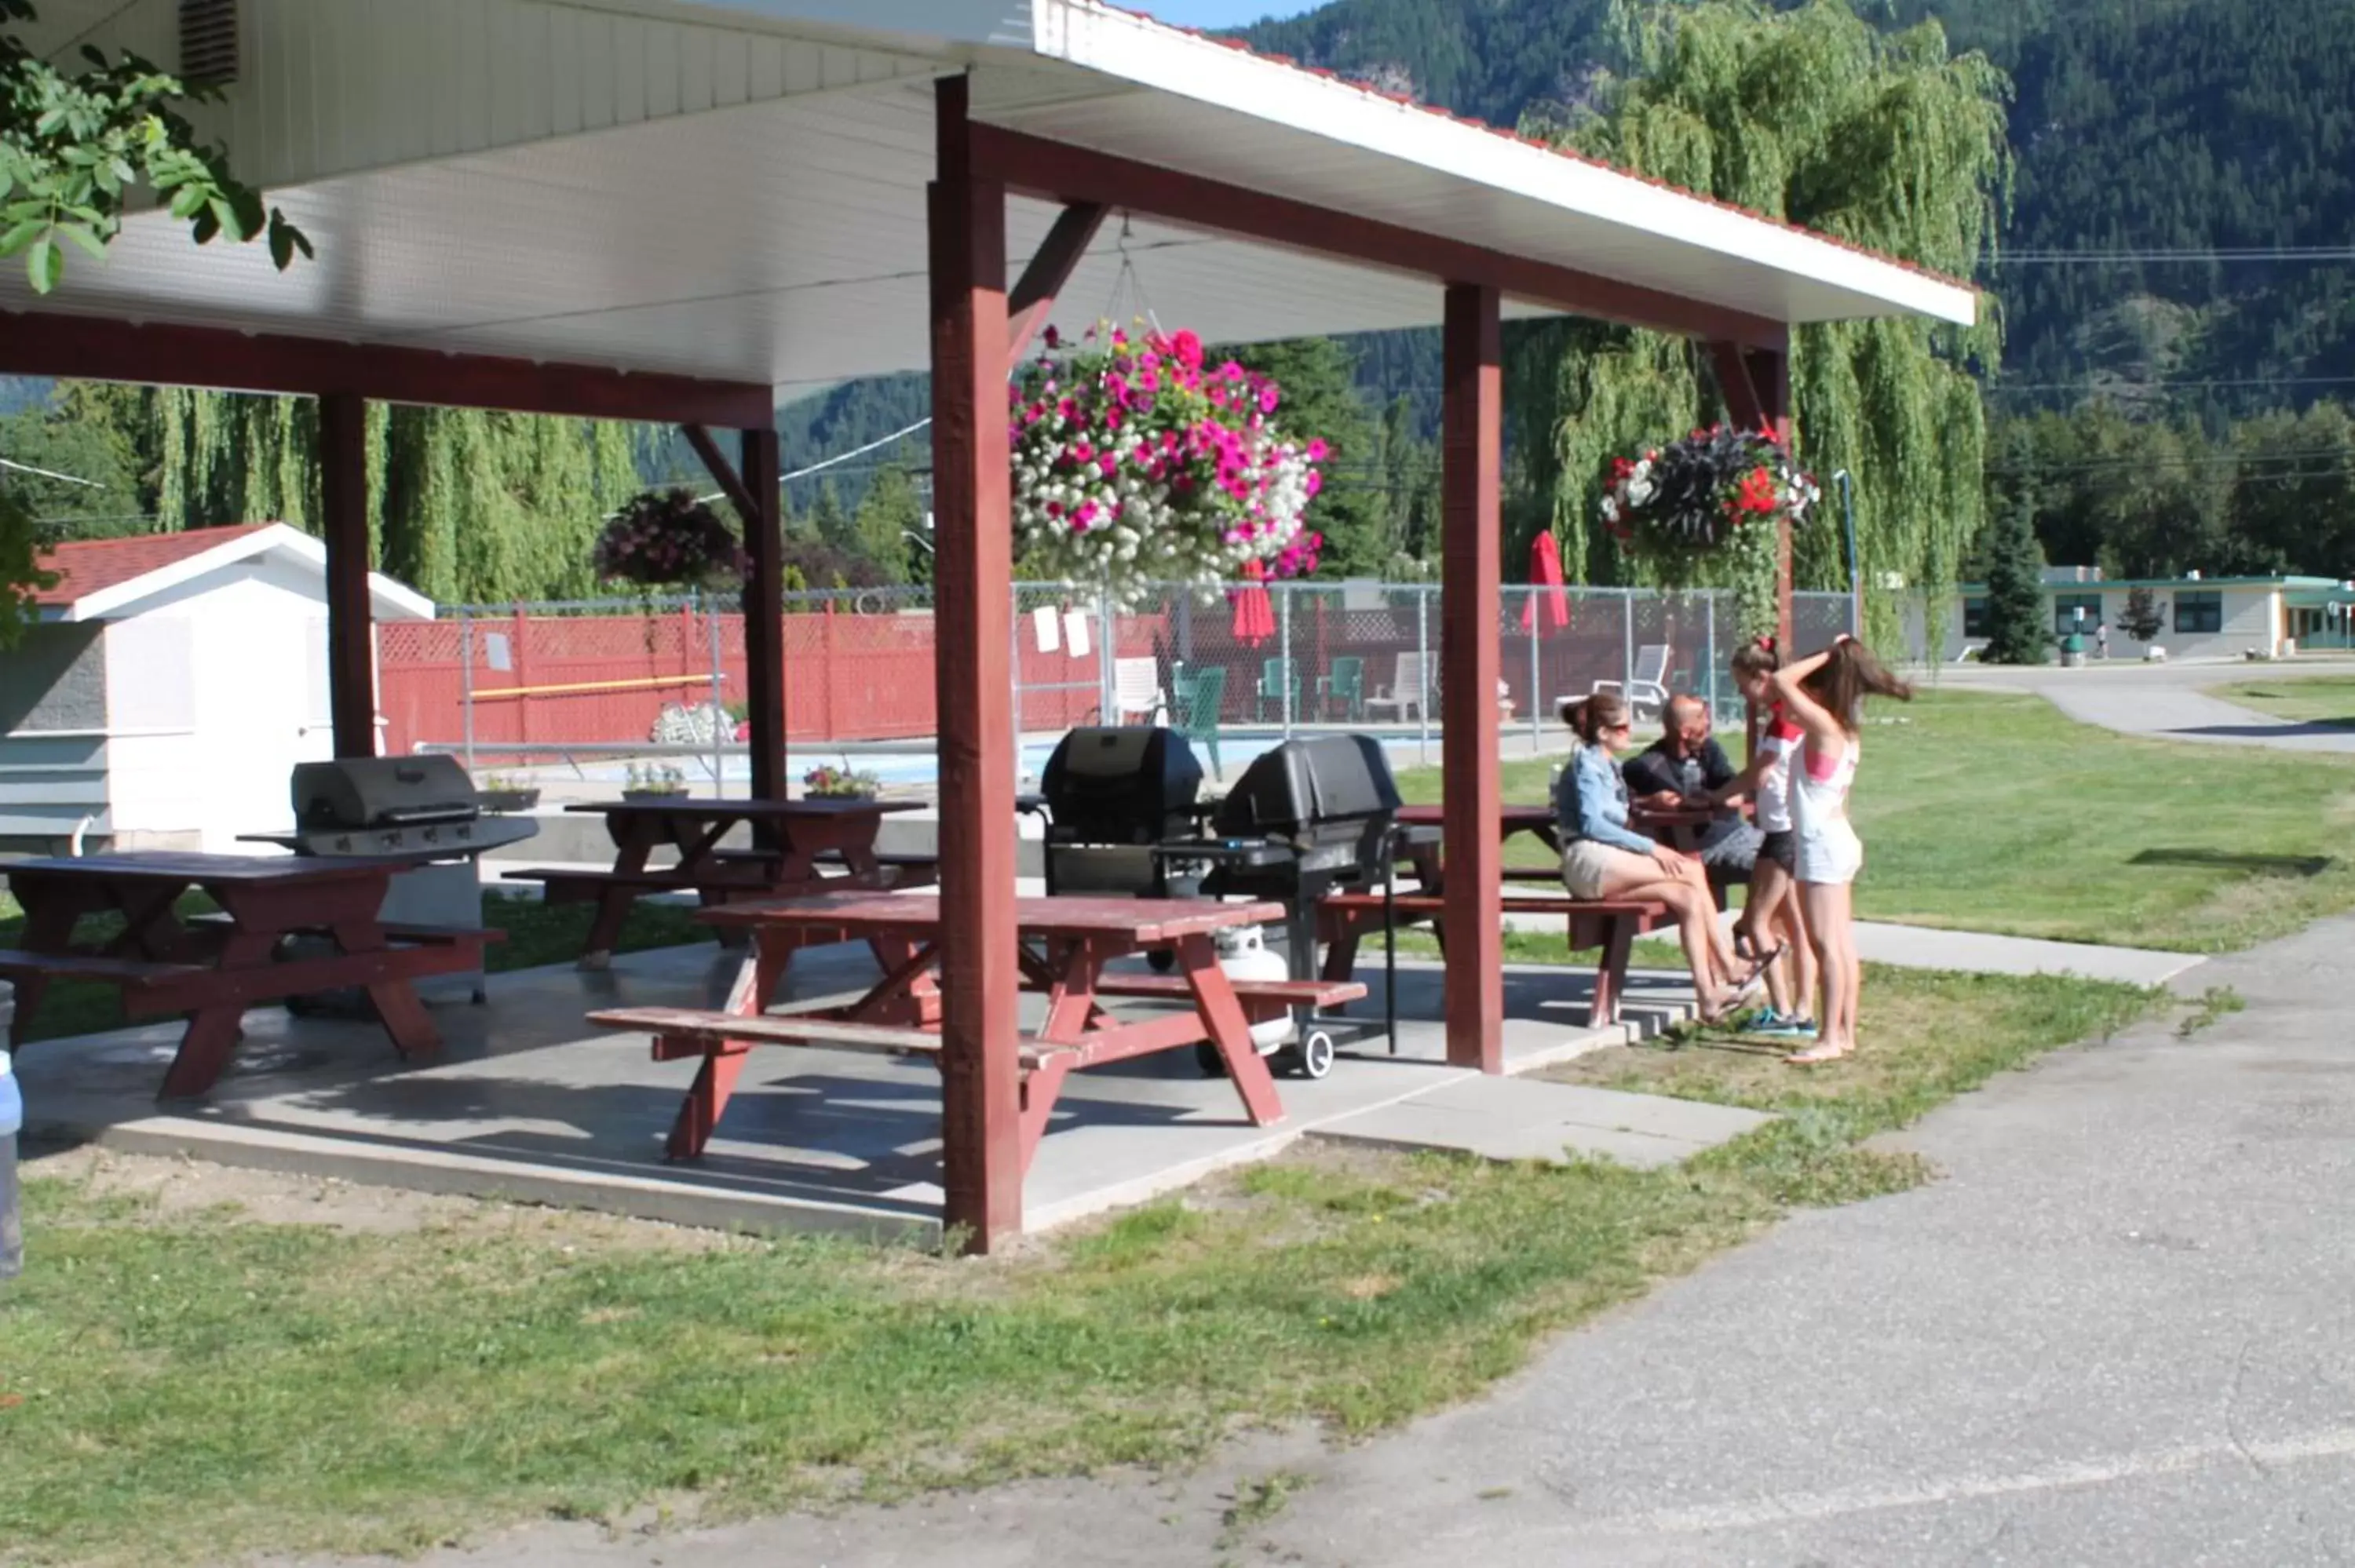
856,668
859,665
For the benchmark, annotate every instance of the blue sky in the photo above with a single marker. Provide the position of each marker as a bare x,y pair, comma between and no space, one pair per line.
1219,12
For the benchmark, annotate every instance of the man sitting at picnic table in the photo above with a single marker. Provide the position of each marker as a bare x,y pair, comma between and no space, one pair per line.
1685,768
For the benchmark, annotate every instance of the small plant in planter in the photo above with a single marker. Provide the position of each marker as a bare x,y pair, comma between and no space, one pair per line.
653,781
504,793
829,783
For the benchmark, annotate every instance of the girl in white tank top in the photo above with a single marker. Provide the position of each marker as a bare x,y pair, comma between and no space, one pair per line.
1824,695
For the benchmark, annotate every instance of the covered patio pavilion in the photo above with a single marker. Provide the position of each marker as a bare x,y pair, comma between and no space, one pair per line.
684,213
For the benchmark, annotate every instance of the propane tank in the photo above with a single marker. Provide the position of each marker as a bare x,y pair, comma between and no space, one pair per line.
1245,955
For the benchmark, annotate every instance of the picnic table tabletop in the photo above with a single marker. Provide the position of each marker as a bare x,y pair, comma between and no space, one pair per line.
190,869
1511,818
1145,922
745,809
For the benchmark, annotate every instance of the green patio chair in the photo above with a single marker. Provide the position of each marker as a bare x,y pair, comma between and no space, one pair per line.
1275,677
1345,683
1196,697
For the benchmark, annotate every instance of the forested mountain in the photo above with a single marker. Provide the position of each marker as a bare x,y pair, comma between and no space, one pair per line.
2140,125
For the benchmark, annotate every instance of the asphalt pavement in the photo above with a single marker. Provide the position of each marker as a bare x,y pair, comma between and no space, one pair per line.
2119,1329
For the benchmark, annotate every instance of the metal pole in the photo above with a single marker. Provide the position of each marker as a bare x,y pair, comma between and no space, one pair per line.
1855,578
1709,603
1283,643
719,727
1628,644
1422,673
1537,613
1110,697
466,680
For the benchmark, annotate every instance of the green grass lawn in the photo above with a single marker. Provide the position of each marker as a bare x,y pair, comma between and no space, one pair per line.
2316,699
176,1389
1995,813
537,934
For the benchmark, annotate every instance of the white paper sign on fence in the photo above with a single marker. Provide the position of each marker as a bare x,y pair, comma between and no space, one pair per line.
1075,633
1042,622
495,652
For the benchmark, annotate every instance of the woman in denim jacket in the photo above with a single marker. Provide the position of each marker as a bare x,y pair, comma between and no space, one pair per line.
1602,857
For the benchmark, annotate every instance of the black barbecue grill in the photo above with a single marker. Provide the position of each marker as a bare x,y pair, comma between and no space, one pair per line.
1110,795
1315,815
422,809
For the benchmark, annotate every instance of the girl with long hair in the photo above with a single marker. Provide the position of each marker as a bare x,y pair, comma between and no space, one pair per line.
1602,857
1771,916
1825,694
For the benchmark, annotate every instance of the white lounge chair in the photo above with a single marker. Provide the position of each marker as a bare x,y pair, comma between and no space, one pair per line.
1136,689
1407,695
1648,686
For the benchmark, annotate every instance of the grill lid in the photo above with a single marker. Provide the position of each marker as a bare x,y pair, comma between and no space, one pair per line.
1342,780
382,792
1130,784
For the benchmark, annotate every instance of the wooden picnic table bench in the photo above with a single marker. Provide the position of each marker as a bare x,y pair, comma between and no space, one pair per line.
163,964
797,833
1063,946
1610,924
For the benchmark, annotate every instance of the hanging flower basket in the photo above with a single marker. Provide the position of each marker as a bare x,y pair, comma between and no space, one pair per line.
1136,464
667,538
1718,493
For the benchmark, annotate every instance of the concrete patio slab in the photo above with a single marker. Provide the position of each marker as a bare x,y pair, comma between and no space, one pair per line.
528,1102
1505,1118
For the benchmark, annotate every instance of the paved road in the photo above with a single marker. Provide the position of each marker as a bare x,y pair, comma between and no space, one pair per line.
2121,1329
2168,702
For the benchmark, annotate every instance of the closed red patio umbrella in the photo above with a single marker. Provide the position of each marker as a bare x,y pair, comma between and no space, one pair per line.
1545,572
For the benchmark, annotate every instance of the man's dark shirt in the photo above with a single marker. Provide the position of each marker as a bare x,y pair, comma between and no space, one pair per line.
1658,770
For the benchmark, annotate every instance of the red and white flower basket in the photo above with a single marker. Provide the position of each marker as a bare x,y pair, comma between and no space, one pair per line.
1720,493
1134,465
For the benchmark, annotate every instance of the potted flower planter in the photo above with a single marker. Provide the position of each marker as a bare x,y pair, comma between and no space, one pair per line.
501,801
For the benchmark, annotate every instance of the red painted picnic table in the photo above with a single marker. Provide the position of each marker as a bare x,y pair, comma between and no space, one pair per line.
164,965
1065,945
802,833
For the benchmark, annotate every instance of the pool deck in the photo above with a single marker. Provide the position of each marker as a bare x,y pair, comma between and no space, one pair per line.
528,1102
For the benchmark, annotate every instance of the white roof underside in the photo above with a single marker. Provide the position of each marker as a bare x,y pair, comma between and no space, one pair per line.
736,190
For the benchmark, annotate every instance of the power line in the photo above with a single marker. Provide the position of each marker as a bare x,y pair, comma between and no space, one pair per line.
2202,255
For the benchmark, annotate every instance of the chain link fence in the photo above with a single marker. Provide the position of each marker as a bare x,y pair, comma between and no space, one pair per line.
609,674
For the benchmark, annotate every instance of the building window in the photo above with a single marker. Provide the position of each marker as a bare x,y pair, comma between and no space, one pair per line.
2198,613
1975,618
2065,619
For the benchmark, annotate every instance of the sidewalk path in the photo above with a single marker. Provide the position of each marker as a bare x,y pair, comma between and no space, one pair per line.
2165,702
1974,952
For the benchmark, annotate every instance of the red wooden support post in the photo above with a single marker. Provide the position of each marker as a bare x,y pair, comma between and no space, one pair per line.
981,1098
1471,445
764,612
351,618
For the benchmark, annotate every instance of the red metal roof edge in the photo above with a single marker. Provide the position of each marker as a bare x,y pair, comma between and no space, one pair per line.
1409,101
88,566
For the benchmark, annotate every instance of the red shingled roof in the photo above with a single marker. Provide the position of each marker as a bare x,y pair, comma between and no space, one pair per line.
85,566
1408,101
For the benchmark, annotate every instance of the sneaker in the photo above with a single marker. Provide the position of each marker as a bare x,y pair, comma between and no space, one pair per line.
1761,1021
1791,1029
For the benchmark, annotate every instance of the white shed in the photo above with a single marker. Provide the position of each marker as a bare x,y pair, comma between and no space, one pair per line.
173,682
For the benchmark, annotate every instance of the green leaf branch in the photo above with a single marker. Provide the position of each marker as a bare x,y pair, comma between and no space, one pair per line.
75,147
